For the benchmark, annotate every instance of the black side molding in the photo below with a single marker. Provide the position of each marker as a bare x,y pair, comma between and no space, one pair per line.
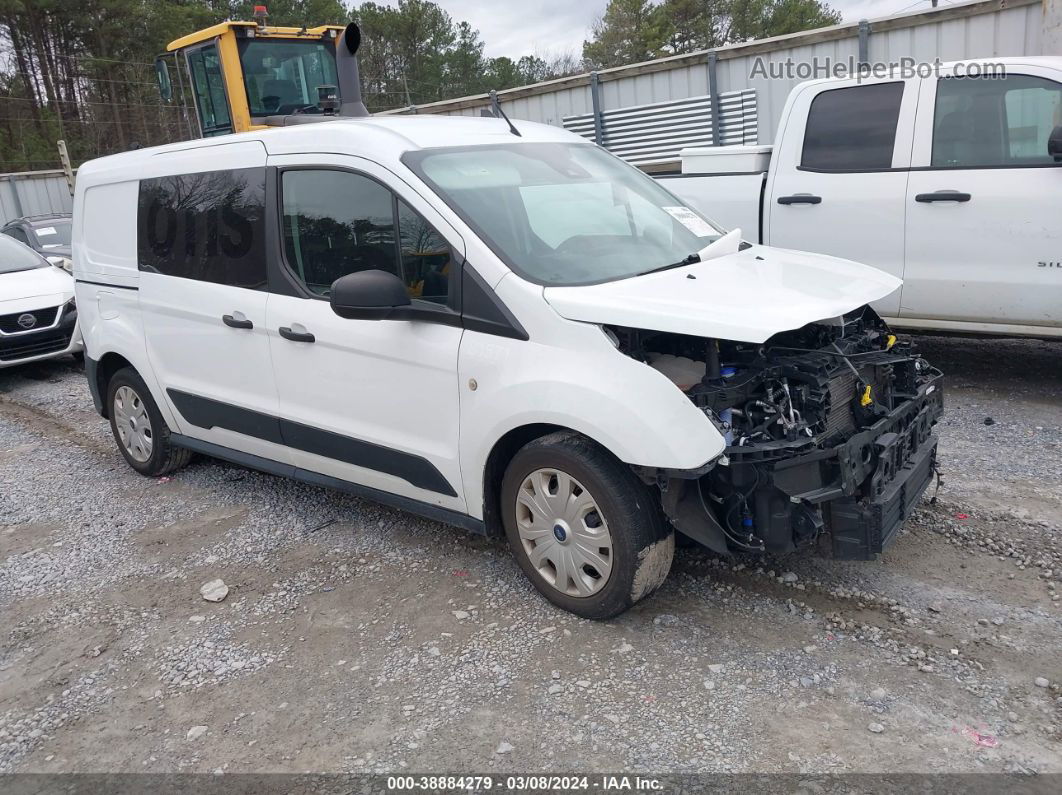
425,509
208,413
107,284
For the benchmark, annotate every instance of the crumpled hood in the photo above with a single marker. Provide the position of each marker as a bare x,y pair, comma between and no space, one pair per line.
36,288
746,296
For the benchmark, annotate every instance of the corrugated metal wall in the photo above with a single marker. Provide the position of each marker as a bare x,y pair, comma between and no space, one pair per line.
650,134
33,193
950,32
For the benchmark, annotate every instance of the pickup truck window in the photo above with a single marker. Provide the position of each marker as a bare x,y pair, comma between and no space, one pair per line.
563,214
986,123
852,129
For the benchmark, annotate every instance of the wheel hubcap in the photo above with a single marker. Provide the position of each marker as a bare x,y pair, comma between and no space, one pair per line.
563,532
133,424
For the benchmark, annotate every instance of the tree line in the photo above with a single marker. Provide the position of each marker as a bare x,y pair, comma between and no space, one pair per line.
83,71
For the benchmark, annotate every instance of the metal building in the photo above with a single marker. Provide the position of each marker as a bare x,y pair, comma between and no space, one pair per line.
647,111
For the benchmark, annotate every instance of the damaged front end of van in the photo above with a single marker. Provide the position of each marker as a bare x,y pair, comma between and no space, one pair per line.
828,428
827,423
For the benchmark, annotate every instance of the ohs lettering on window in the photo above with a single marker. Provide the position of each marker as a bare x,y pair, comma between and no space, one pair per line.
208,226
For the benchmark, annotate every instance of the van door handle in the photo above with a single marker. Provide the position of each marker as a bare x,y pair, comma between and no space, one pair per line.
232,322
296,336
943,196
800,198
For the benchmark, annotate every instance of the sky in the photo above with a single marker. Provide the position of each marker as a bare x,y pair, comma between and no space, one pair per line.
545,27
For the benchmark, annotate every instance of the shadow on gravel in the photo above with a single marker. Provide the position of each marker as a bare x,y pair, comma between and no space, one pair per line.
1018,365
46,370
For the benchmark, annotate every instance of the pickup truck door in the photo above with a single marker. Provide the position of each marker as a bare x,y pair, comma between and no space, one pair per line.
984,243
838,179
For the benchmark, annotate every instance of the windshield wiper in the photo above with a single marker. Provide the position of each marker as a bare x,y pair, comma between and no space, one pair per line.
720,247
690,259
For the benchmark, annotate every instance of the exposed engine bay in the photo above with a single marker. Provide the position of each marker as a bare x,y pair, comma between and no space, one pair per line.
828,429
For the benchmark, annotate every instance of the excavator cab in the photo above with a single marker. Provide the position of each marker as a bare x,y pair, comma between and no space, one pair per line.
243,76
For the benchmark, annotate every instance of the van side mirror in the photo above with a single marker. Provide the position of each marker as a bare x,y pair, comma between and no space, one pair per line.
1054,144
368,295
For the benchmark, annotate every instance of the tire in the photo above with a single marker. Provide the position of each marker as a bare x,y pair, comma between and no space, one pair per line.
608,544
145,444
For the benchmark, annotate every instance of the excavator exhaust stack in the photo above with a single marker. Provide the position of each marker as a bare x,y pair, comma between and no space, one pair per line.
349,76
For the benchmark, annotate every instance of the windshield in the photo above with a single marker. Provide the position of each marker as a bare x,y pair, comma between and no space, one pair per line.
283,75
15,256
564,214
53,233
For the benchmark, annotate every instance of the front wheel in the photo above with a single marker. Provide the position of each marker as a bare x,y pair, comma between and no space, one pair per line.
582,527
142,435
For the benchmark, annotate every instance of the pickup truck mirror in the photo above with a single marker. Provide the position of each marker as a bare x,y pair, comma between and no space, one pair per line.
1054,144
368,295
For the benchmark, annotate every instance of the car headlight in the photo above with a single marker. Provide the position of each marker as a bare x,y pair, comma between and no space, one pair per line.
70,306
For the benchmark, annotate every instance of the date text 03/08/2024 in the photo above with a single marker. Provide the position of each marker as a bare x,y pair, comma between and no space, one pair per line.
536,782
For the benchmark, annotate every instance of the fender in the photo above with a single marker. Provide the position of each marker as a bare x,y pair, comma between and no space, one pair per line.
110,323
570,375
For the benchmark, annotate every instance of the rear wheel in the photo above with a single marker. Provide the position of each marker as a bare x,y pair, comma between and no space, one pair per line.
582,527
142,435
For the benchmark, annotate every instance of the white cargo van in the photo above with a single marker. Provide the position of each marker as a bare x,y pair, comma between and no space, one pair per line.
951,182
507,329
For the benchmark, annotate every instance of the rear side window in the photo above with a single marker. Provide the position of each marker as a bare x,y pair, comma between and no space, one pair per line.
852,129
208,226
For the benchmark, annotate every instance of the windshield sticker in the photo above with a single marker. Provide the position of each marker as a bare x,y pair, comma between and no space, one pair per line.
44,231
692,221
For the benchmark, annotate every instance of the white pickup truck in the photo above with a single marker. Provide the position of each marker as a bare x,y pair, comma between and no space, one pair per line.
951,182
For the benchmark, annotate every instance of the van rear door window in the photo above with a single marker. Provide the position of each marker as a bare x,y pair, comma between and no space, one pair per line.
208,226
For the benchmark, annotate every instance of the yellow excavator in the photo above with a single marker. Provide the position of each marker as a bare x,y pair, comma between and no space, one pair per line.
243,76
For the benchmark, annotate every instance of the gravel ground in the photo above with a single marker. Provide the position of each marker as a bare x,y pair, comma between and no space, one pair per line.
356,638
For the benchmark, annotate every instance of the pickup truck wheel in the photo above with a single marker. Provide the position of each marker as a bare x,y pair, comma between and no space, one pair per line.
136,422
582,527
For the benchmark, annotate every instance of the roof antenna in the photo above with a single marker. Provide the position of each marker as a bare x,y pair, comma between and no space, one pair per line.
497,109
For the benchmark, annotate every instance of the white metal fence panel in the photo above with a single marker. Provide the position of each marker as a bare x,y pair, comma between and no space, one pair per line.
655,133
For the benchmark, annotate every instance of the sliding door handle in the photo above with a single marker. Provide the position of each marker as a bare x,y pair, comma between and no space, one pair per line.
296,336
236,323
232,322
943,196
800,198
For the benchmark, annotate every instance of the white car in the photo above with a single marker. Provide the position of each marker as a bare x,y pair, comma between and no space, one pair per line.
511,333
38,315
